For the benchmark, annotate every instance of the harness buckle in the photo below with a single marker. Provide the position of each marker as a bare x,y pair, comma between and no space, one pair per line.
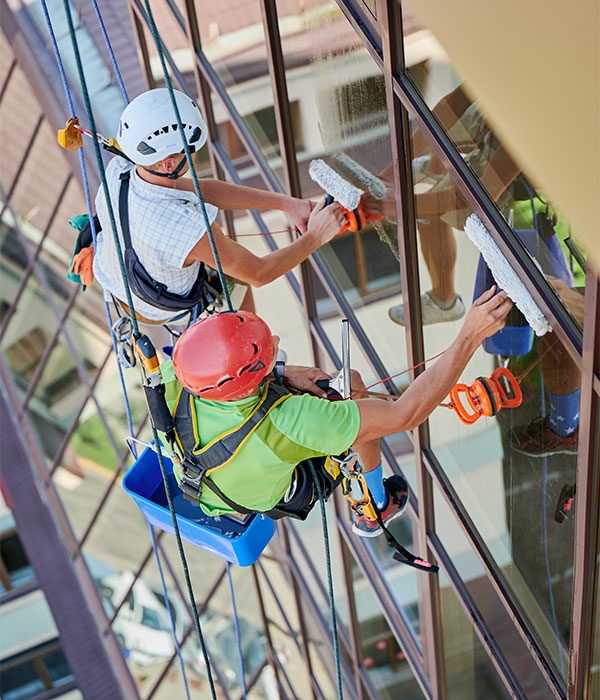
191,481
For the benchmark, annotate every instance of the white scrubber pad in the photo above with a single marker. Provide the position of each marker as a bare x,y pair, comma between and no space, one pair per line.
361,176
343,192
505,276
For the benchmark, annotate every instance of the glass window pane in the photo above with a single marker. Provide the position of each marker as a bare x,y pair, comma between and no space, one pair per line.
15,561
595,672
58,667
512,471
539,225
479,587
20,682
470,674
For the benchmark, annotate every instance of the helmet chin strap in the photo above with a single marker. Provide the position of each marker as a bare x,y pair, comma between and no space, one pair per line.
175,174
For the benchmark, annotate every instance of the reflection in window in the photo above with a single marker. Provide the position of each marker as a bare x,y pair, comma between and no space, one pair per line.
534,218
15,569
511,470
470,674
35,671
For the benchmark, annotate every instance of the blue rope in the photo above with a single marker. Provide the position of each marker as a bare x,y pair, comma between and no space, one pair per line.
334,633
127,406
168,604
99,162
237,631
113,60
128,292
188,153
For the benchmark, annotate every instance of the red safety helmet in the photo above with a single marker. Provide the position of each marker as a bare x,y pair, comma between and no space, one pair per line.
223,356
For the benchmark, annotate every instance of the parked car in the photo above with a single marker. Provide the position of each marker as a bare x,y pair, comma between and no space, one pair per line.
143,628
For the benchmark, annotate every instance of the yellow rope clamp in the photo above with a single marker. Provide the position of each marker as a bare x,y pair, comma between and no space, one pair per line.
71,137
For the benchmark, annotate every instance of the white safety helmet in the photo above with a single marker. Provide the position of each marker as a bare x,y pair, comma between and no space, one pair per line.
148,130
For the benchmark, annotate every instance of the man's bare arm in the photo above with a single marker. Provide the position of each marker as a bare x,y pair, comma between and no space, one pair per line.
242,264
379,418
228,196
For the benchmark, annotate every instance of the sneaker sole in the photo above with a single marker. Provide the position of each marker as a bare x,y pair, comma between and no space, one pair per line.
379,531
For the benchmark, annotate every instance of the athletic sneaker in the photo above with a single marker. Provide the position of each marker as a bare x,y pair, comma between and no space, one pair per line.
537,439
397,491
431,311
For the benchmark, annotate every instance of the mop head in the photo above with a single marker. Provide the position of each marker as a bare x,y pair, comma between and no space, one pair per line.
329,181
360,176
506,278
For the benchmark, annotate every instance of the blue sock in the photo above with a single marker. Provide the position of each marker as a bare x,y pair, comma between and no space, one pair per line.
374,480
564,413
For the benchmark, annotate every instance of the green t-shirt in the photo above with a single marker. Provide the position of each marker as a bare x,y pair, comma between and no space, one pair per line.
301,427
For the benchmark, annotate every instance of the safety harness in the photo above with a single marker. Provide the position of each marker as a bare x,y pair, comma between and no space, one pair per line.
198,463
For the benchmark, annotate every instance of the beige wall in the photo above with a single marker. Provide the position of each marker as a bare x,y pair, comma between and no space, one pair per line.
535,64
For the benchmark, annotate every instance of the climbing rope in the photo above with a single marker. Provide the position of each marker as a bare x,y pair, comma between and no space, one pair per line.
135,327
188,153
334,633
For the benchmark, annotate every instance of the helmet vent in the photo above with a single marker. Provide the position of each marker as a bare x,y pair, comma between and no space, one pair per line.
245,369
255,346
224,381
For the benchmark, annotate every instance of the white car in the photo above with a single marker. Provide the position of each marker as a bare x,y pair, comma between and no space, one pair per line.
143,628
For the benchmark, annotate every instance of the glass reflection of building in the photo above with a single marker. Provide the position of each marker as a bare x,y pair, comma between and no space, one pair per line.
290,83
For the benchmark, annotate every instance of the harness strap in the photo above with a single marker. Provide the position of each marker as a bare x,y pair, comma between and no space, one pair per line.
199,463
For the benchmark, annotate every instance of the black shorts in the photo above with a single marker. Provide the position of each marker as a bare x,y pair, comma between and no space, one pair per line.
302,495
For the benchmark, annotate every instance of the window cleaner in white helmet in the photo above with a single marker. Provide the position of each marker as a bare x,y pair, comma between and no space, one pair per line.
163,214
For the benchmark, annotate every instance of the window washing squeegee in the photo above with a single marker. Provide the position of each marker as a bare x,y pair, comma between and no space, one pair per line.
504,275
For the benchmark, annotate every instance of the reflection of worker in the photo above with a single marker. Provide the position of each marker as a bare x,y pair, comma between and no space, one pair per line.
222,361
558,432
442,208
166,220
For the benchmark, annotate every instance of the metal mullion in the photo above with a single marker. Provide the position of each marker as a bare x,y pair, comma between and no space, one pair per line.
585,573
302,646
191,627
7,78
142,47
271,654
31,264
7,196
325,629
109,488
505,595
285,135
299,609
478,623
354,627
390,24
137,574
85,380
41,365
389,606
73,427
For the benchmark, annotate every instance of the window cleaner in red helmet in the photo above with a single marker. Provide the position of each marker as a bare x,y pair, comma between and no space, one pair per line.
163,214
248,438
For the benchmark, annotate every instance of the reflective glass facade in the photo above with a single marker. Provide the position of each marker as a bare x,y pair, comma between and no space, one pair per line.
365,87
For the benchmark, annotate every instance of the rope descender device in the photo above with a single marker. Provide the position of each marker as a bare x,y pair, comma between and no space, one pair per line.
71,138
485,396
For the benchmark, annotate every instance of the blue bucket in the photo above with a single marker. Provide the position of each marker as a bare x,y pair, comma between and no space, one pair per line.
230,539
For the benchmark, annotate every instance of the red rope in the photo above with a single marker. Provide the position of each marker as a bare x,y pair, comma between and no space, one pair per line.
396,375
262,233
